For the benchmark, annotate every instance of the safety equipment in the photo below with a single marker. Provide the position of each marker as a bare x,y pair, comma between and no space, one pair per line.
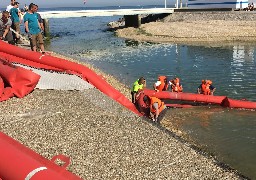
164,84
137,86
176,87
160,104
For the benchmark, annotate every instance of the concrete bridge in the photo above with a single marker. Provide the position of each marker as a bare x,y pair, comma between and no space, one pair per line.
113,12
132,16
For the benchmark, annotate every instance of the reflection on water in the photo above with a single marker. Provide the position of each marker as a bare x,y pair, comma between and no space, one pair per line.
229,134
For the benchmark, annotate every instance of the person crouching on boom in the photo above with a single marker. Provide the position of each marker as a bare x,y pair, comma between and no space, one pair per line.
161,84
176,86
156,106
206,88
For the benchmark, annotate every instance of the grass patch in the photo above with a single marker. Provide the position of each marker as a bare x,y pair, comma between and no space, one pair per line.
142,31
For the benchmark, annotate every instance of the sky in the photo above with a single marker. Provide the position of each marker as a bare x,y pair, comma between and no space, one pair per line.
89,3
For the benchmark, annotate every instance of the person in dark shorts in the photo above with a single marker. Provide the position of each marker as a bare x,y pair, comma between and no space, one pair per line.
15,16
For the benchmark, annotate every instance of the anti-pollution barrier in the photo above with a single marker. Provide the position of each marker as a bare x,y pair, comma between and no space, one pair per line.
19,55
17,161
20,162
219,100
16,81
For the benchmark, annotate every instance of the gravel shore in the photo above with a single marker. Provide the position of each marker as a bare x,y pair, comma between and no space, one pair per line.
104,139
197,28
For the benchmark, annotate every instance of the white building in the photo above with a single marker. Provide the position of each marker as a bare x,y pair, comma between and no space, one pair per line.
209,4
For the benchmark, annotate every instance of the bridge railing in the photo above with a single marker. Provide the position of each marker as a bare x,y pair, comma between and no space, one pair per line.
114,12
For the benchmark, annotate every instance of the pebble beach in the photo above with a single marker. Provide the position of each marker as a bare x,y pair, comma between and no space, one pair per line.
197,28
104,139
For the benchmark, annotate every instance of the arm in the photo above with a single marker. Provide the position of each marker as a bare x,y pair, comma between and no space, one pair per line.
144,84
212,88
42,26
7,28
154,86
199,89
181,88
26,26
39,25
158,83
213,91
19,14
155,106
5,32
40,20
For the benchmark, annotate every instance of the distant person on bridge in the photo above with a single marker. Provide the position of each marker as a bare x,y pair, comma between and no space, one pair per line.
138,85
33,28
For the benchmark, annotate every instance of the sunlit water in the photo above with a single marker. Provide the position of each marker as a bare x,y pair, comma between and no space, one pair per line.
228,134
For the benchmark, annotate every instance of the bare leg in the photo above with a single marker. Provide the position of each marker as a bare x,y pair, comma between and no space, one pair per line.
42,47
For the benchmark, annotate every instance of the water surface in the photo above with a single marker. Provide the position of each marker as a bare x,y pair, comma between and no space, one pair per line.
226,133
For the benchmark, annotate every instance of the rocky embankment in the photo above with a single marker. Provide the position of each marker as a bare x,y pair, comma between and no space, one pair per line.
197,27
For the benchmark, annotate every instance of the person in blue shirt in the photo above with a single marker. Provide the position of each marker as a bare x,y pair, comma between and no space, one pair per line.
15,17
33,28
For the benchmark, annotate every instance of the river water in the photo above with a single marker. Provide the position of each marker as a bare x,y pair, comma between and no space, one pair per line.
228,134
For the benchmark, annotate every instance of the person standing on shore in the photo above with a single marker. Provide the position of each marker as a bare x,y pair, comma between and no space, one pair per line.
138,85
5,25
25,8
9,7
33,28
15,16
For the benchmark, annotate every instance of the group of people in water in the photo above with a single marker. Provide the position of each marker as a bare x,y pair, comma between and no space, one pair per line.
154,104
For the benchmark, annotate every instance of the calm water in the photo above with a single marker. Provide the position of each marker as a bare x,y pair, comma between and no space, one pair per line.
228,134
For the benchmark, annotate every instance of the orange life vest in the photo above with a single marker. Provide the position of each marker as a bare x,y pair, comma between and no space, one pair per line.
160,104
176,86
206,89
164,85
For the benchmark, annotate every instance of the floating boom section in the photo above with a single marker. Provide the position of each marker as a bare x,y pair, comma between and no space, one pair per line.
31,58
16,81
20,162
220,100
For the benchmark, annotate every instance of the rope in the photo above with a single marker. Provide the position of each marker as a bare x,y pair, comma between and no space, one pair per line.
22,37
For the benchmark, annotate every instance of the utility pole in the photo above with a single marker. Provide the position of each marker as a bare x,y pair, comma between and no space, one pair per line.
164,3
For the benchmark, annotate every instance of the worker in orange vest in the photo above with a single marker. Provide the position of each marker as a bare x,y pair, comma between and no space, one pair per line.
155,105
161,84
176,86
206,88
